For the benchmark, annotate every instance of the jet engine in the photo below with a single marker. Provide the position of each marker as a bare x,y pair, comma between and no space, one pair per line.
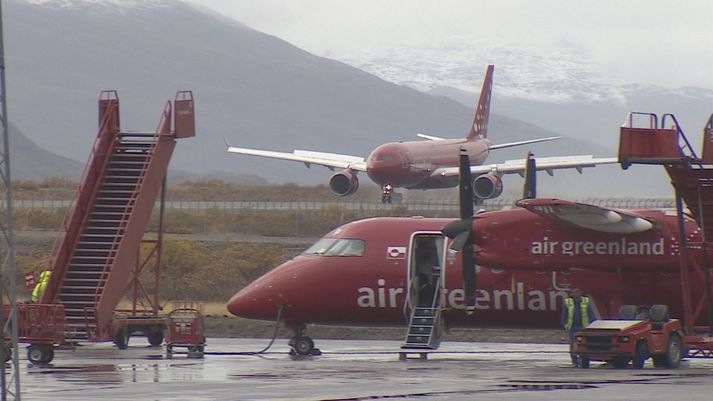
487,186
344,183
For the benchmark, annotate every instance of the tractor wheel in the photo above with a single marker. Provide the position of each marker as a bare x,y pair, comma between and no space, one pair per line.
640,355
674,351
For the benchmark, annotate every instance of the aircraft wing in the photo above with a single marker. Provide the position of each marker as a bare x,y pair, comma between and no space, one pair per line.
549,164
525,142
591,217
329,160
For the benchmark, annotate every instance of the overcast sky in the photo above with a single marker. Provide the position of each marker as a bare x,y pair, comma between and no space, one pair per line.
666,43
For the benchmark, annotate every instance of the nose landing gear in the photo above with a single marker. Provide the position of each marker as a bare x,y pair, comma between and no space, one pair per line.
301,344
386,191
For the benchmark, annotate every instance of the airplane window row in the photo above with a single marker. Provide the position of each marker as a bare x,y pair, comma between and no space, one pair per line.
337,247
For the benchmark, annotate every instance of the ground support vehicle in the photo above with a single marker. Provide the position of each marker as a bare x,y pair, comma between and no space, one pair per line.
619,342
42,326
185,329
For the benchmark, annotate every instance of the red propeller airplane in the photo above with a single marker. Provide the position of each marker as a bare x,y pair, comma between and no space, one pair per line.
432,163
388,271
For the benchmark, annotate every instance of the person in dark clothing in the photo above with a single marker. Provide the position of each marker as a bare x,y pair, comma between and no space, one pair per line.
577,313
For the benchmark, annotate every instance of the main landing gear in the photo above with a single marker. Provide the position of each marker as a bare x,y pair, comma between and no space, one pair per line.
301,344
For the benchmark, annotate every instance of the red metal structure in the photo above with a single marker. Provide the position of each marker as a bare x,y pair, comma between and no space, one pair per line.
692,179
96,255
42,326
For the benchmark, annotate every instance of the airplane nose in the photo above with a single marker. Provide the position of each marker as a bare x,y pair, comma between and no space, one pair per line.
257,300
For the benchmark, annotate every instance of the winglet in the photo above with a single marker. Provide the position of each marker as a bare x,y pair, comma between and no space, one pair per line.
227,142
479,129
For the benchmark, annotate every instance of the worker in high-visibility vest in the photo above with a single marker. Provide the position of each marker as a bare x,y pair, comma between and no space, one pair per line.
41,285
577,313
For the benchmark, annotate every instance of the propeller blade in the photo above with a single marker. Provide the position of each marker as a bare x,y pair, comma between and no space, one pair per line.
529,190
465,187
464,239
469,276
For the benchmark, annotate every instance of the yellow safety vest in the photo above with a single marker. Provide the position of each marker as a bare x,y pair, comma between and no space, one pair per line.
569,304
41,285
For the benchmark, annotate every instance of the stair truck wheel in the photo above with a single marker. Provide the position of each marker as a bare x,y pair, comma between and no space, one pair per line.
155,336
674,351
121,338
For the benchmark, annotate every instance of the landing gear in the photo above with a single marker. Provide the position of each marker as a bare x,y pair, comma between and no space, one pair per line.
301,344
386,191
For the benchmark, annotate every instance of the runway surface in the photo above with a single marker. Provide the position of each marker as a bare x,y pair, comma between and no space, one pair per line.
351,370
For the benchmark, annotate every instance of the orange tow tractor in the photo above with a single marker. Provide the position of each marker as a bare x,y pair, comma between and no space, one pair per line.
639,333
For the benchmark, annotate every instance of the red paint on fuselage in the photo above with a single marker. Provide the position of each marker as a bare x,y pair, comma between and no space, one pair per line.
370,290
410,164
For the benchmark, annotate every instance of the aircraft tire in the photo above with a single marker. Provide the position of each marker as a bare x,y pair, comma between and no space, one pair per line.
303,345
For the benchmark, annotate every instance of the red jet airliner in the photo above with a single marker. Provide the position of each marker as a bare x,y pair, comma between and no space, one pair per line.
364,273
432,163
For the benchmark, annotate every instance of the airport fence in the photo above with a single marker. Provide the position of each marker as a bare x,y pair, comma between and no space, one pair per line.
422,205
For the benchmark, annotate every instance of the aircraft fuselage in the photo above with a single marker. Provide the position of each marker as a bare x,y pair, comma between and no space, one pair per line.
411,164
522,282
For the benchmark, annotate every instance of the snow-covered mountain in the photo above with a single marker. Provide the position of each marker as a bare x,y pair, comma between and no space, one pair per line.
523,72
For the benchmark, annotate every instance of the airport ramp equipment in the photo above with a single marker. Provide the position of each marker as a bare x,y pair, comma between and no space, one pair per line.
98,247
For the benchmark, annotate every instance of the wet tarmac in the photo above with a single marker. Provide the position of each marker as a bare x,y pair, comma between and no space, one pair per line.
351,370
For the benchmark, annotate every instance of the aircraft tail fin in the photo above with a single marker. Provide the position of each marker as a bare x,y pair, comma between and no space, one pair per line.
479,129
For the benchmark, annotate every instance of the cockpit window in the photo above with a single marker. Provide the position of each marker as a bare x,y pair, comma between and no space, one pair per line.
321,246
383,157
337,247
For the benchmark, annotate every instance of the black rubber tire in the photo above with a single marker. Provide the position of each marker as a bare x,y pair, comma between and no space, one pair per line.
640,355
37,354
303,345
584,362
620,362
674,351
8,352
155,337
49,355
659,361
121,339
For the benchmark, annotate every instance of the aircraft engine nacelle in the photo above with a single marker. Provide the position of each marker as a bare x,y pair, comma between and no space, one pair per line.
344,183
487,186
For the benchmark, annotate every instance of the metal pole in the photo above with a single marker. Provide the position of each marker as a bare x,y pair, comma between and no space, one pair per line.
159,248
706,272
7,270
683,261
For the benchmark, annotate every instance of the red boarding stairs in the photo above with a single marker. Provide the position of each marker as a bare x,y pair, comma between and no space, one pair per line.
692,179
97,251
